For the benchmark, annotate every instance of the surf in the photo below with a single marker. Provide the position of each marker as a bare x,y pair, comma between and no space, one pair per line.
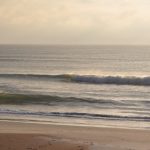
85,79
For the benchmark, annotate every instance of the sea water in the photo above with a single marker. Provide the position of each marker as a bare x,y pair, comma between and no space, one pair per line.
78,85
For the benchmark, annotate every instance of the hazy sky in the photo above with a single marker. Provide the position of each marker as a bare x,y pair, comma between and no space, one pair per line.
75,21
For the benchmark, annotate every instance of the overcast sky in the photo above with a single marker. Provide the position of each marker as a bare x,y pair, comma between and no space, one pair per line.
75,21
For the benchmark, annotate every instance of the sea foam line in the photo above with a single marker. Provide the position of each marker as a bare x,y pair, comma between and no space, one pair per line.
76,115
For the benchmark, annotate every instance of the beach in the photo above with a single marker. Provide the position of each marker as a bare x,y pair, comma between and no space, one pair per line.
74,75
74,97
36,136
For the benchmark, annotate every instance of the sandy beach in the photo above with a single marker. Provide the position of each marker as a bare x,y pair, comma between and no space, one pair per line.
30,136
74,75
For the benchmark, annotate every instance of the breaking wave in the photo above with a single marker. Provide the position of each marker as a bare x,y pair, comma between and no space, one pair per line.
88,79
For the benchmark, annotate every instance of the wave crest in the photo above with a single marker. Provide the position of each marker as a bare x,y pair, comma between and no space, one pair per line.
118,80
21,99
88,79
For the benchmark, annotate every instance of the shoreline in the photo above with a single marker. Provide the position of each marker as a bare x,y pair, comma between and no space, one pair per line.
24,121
87,138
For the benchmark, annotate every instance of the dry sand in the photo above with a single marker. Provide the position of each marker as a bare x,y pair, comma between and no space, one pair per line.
30,136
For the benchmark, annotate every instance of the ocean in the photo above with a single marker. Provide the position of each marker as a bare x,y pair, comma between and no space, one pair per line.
86,85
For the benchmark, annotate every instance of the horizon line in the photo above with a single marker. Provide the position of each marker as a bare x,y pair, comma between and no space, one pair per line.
59,44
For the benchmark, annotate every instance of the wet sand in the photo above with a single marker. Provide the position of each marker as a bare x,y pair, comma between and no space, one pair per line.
30,136
36,142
